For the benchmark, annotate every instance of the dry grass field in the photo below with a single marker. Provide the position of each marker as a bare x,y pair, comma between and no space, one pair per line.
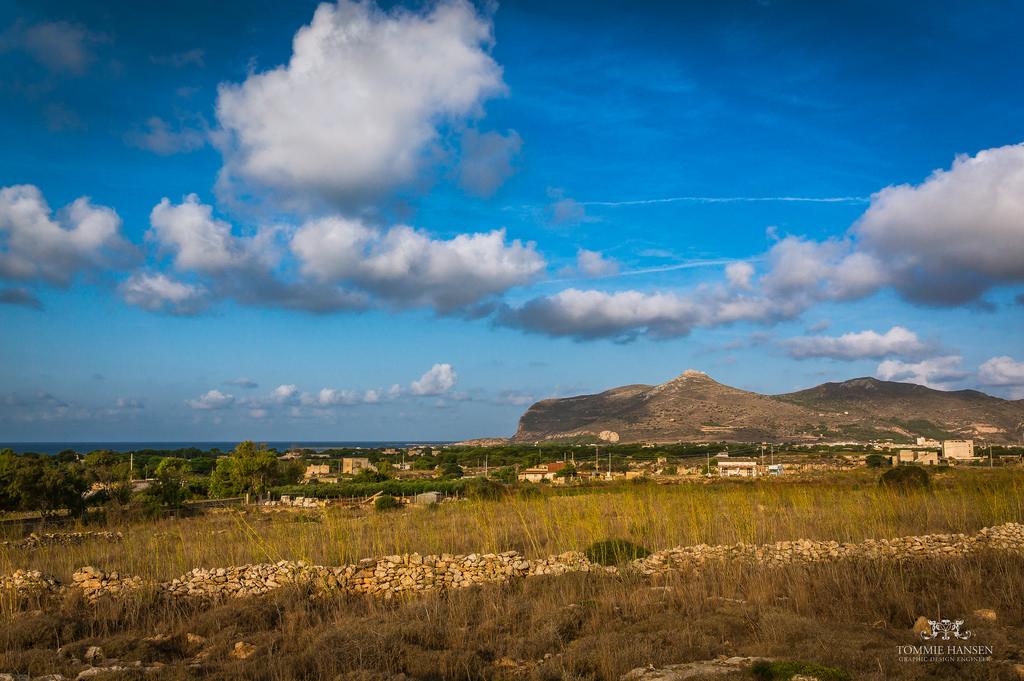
850,616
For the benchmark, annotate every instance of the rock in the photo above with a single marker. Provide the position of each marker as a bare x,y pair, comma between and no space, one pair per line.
243,650
986,614
691,670
1019,671
921,626
7,676
93,654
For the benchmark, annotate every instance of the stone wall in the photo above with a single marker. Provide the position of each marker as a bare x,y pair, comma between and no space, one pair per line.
391,576
34,541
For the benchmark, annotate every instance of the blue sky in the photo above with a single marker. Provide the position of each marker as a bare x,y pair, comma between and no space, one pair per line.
372,221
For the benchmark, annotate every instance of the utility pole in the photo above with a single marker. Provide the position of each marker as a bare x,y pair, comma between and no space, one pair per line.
131,467
485,465
609,465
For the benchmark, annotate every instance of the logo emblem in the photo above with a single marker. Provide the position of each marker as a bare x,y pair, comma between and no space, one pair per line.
945,629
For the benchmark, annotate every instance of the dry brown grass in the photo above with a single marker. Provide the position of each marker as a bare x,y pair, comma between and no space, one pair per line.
850,616
847,615
848,507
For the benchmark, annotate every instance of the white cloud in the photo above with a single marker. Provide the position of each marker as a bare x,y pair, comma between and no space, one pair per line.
1002,370
258,414
936,372
212,399
596,314
487,160
157,292
407,267
897,341
333,397
438,380
595,264
199,242
739,274
360,102
285,393
159,137
36,245
243,382
955,235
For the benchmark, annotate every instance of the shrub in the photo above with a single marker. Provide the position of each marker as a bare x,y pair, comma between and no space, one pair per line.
530,491
905,478
386,502
876,461
783,670
484,488
615,551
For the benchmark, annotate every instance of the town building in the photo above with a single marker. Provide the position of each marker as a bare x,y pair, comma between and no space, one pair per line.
958,449
742,468
352,465
545,471
316,472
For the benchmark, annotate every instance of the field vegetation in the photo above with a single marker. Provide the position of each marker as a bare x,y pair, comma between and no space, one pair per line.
843,619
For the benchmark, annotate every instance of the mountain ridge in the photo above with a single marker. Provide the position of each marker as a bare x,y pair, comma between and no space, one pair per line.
695,407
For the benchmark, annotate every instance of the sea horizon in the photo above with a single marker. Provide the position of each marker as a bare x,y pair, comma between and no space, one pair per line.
85,446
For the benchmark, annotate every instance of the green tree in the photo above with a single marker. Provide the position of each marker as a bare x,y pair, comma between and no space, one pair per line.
569,471
450,470
223,482
250,469
170,486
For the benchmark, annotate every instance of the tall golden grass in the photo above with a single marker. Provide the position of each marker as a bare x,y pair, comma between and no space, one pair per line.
842,507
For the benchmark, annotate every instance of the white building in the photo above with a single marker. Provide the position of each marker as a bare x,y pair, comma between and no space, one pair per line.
742,468
958,449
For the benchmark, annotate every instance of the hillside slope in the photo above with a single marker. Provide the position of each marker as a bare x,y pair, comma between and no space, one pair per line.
694,407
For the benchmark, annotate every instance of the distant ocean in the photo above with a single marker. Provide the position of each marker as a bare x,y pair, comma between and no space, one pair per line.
83,447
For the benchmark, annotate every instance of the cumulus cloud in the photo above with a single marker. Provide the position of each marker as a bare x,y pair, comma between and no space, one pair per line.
943,242
586,315
595,264
739,274
60,46
438,380
333,397
1002,370
158,136
157,292
487,160
897,341
361,101
211,399
955,235
936,372
407,267
285,393
198,241
36,245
